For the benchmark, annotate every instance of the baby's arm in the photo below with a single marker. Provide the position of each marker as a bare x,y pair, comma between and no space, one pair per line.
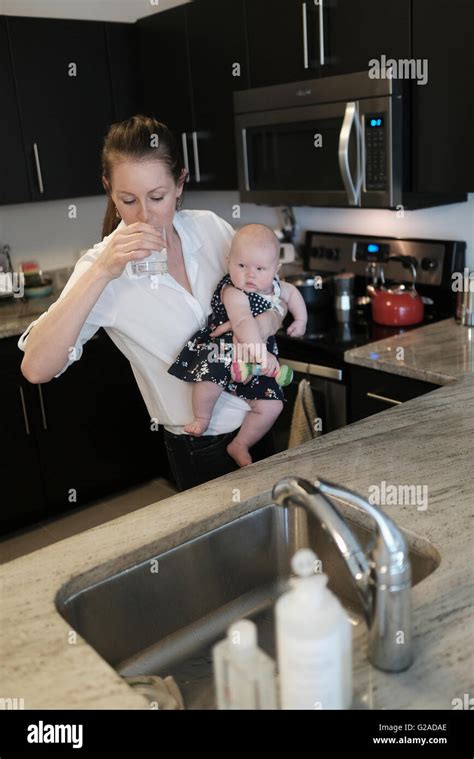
297,307
243,324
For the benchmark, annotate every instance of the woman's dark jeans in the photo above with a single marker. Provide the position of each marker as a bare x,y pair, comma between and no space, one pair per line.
195,460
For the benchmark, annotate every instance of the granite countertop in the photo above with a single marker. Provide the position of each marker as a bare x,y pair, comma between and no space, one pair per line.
17,313
439,353
428,440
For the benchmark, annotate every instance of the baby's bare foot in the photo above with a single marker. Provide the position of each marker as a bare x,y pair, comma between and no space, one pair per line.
197,427
239,452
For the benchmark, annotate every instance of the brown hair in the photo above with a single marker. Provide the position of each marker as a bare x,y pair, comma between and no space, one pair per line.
139,138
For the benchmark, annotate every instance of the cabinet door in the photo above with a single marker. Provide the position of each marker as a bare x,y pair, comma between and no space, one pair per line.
218,67
122,48
442,148
286,41
359,30
164,66
373,391
14,186
22,496
95,435
63,86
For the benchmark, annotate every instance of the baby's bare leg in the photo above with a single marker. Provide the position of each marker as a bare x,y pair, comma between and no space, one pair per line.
205,395
256,423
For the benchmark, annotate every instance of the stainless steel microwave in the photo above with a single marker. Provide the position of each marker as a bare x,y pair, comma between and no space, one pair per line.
334,141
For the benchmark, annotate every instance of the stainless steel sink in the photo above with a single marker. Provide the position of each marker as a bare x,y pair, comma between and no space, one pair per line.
163,615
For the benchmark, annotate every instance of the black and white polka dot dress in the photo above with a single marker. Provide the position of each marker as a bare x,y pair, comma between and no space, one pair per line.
206,359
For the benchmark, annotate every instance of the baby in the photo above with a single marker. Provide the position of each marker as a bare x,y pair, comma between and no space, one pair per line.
250,288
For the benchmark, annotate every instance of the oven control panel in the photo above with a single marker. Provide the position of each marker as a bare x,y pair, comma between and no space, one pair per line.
436,260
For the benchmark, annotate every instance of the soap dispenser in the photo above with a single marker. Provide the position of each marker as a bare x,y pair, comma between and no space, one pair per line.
314,642
244,674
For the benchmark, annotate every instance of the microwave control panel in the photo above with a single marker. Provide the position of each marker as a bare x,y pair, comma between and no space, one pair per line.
375,152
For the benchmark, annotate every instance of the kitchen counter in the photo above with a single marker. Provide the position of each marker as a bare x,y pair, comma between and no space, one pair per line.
439,353
427,441
17,313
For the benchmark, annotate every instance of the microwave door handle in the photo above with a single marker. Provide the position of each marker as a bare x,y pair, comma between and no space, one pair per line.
350,117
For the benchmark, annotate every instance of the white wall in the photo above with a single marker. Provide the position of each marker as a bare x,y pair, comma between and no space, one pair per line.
98,10
43,231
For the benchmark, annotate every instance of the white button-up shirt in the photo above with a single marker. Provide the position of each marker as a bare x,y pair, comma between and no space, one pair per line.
151,319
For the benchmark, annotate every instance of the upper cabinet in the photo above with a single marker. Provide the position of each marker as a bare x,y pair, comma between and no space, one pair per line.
442,111
218,56
122,49
192,59
286,40
14,185
360,30
63,86
292,40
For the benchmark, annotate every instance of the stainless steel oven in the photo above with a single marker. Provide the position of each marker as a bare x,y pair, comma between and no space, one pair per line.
334,141
329,397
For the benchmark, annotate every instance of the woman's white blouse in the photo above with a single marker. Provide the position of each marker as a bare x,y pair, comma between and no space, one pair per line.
150,320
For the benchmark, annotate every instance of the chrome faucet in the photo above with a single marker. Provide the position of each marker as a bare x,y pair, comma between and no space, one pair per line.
382,578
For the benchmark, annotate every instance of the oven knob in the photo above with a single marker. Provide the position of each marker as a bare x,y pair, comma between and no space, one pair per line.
429,264
330,253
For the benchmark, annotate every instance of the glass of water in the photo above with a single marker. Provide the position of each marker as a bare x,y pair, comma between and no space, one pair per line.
155,263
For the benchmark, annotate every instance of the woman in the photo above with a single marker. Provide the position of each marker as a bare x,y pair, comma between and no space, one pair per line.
144,179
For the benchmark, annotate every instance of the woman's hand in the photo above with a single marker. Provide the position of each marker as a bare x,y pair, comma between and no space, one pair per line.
268,323
133,242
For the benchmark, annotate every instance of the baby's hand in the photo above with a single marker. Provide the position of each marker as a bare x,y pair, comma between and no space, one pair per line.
297,328
271,365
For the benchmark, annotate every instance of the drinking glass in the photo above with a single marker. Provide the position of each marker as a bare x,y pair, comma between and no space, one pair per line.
155,263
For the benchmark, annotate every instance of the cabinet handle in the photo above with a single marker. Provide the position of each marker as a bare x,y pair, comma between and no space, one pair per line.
246,160
196,157
38,167
42,407
23,405
321,32
391,401
184,138
305,37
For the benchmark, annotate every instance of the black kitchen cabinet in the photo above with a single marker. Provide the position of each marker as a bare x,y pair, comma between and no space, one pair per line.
63,87
122,49
372,391
285,40
94,430
22,497
442,110
292,40
192,59
218,57
165,70
82,436
360,30
14,185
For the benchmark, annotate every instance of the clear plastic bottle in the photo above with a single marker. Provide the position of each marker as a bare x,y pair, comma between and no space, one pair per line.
314,642
244,674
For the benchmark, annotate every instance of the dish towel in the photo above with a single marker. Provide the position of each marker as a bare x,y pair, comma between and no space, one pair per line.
163,693
304,416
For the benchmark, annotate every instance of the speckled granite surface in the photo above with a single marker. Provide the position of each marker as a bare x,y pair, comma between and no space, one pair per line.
438,353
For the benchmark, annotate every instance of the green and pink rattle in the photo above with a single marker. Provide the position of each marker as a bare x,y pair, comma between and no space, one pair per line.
240,371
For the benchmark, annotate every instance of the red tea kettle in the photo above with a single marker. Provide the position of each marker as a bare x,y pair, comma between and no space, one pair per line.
397,305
